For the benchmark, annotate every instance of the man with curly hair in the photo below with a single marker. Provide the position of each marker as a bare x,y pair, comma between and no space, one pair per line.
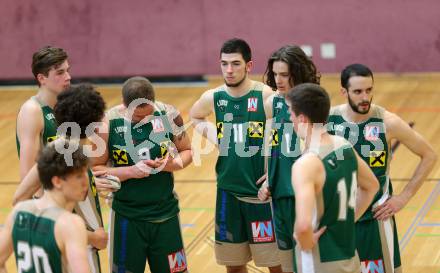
287,67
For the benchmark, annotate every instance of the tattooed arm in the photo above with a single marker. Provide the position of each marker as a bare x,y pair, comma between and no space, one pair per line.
179,152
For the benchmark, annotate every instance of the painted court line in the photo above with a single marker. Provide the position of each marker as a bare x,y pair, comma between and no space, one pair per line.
419,217
422,213
196,209
403,239
427,235
200,236
429,225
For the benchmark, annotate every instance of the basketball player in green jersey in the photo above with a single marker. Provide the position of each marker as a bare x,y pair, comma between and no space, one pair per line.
146,143
43,233
244,227
80,105
333,186
36,125
287,67
370,128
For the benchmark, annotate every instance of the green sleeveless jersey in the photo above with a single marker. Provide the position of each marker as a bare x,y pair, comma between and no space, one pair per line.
369,140
285,149
34,241
151,198
335,204
90,208
49,132
240,132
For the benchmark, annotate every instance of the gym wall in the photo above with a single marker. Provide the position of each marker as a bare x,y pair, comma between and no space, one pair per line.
183,37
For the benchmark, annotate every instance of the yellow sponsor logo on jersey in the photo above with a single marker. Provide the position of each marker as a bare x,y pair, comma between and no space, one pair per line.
120,157
274,141
164,148
51,138
256,129
93,186
377,158
220,129
302,144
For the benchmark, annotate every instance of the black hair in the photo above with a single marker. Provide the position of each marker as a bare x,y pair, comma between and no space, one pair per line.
79,103
354,70
236,45
310,100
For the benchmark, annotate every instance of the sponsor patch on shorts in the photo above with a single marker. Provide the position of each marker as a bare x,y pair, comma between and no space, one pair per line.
375,266
262,231
177,261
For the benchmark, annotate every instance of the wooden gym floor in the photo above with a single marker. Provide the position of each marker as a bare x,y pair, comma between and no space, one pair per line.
415,97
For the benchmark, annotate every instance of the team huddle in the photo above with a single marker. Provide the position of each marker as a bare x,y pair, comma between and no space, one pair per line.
301,186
